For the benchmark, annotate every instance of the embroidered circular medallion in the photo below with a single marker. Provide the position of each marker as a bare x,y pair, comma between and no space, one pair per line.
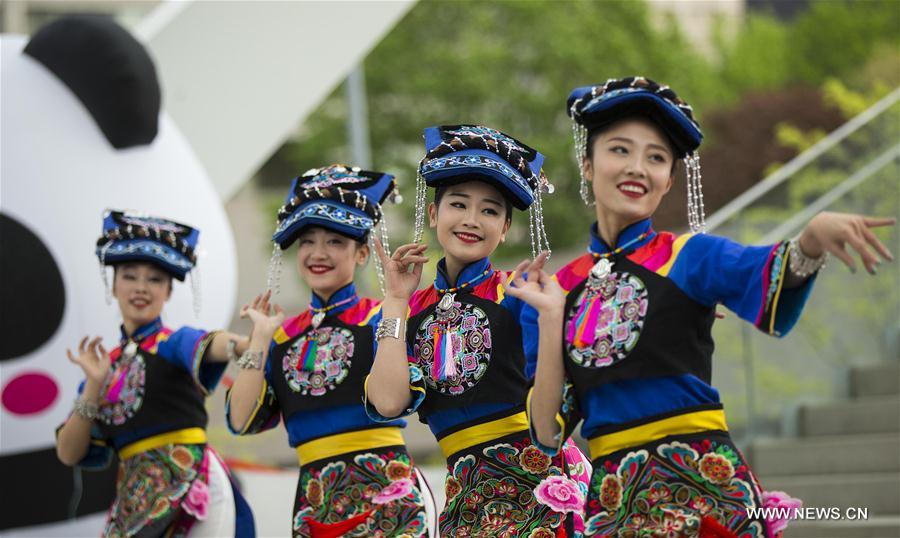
468,348
329,351
123,392
619,306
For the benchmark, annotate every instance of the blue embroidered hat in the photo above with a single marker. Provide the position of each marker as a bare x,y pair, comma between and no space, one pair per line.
455,151
343,199
132,237
458,150
597,106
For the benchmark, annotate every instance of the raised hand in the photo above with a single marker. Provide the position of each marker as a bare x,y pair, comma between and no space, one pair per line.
536,287
93,360
266,318
399,281
832,232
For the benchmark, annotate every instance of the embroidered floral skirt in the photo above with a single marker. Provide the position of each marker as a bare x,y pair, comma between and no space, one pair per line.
371,493
159,491
508,487
672,486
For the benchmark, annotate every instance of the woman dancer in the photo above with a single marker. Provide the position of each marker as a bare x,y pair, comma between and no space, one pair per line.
454,351
356,476
625,330
144,398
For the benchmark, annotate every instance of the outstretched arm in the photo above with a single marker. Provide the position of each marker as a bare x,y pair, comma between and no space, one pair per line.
831,233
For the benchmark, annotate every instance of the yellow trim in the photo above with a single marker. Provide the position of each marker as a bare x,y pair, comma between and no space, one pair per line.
482,433
784,264
501,289
343,443
160,338
280,336
697,421
187,436
259,403
370,314
677,245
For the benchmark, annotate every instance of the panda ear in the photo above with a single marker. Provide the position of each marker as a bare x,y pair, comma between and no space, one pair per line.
108,70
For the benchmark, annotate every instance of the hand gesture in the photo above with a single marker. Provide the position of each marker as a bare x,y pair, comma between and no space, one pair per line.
832,232
399,282
93,360
538,289
266,318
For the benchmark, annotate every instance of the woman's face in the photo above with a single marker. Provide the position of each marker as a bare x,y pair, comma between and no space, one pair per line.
630,169
470,221
327,260
141,290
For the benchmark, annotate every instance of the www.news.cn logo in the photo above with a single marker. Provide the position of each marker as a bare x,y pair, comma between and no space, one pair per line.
809,513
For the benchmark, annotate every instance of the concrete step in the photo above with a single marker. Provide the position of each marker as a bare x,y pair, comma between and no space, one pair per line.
876,414
878,492
825,455
881,379
873,527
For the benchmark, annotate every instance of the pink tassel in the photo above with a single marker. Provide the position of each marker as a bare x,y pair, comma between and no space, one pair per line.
438,365
573,324
452,340
309,357
589,334
115,389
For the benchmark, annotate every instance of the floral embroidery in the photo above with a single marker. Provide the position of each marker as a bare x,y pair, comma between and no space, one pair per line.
619,322
559,493
490,492
474,356
334,352
153,483
335,490
784,502
533,460
131,396
667,489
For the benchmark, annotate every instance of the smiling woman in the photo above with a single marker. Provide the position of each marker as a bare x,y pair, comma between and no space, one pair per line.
309,369
145,397
459,362
625,340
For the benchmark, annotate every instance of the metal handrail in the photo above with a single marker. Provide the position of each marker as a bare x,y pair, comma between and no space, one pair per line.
822,203
749,196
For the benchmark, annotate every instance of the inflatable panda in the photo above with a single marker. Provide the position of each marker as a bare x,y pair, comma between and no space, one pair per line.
82,131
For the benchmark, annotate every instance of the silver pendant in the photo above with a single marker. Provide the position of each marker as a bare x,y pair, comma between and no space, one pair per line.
317,319
446,302
601,270
130,349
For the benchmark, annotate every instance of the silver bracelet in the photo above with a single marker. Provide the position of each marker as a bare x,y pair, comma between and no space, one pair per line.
85,409
801,264
388,328
250,359
230,350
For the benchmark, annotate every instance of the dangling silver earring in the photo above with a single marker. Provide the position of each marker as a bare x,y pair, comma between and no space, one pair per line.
539,240
104,276
195,292
580,134
695,210
273,279
421,198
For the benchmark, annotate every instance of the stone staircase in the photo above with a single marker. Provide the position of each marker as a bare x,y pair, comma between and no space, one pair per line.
845,454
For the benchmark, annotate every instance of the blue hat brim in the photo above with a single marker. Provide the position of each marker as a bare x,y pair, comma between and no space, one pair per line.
443,170
146,250
618,104
328,214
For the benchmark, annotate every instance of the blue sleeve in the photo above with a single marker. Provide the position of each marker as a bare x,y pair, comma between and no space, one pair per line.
186,348
748,280
528,319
